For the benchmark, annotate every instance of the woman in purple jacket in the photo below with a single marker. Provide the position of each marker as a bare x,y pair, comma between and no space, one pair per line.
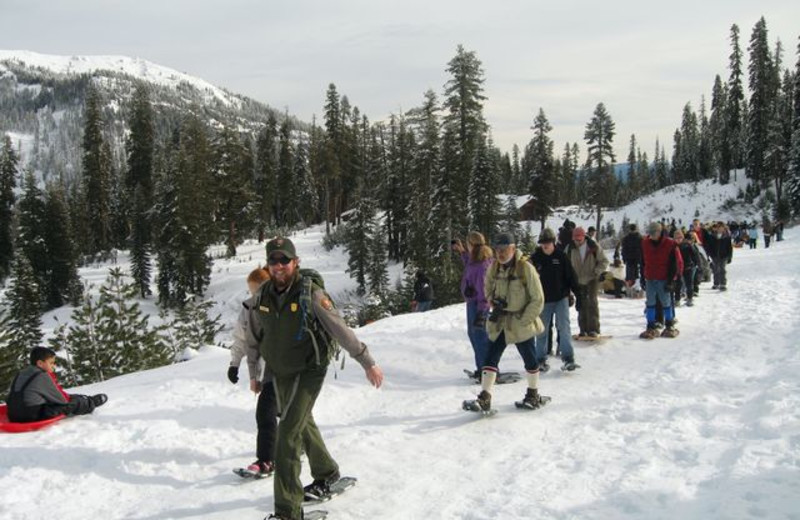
477,258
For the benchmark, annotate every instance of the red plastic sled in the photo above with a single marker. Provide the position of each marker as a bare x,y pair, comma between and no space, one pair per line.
7,426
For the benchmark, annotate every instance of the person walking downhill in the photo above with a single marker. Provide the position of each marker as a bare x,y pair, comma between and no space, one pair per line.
515,295
477,257
292,321
589,262
260,383
662,263
719,247
557,279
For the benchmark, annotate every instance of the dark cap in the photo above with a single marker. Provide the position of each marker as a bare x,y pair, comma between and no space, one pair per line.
504,240
547,235
281,245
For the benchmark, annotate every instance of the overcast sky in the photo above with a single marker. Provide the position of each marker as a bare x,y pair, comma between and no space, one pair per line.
644,60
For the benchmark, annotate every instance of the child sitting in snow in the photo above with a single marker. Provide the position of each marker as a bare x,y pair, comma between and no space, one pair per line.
35,394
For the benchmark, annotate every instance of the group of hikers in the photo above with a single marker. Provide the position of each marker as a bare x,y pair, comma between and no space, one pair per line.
289,330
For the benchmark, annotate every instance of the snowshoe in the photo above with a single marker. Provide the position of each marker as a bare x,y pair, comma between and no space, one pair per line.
307,515
323,490
670,332
649,333
482,404
256,470
532,400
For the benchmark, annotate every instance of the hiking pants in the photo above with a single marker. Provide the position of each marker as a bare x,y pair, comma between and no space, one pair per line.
298,433
477,335
718,266
267,422
559,310
588,309
527,349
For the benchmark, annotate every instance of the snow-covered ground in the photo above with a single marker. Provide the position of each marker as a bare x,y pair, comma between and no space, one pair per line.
703,426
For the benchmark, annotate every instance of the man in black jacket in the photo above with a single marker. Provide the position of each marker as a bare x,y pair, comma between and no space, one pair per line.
719,247
632,256
558,279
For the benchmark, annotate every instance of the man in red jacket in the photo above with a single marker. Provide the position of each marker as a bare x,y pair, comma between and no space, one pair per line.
662,263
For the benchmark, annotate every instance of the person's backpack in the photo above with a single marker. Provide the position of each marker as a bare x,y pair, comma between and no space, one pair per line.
323,341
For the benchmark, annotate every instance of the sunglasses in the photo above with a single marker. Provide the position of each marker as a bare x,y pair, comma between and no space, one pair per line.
275,260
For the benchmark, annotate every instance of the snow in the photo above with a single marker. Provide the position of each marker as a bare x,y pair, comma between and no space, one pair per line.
706,425
137,67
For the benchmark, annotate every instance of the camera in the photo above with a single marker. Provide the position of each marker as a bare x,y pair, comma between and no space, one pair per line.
498,306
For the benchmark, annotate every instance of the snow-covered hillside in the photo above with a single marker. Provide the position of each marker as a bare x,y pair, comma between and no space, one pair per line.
706,425
137,67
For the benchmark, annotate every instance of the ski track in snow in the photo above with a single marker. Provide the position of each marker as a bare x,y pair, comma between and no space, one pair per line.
705,425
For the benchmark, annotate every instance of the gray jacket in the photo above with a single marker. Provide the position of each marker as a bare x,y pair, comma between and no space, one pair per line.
241,349
41,390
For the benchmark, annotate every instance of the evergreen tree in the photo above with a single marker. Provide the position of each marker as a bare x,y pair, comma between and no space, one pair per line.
484,207
62,283
599,138
139,184
761,104
96,176
332,164
24,297
233,188
31,240
8,181
704,144
396,193
359,238
307,207
267,175
735,106
660,168
191,327
718,129
779,142
12,354
425,171
167,225
793,175
541,167
286,200
686,152
644,176
517,186
377,267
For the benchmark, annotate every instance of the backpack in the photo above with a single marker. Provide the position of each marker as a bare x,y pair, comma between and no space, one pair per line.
319,336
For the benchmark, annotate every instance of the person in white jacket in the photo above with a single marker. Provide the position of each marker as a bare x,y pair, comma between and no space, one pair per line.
260,383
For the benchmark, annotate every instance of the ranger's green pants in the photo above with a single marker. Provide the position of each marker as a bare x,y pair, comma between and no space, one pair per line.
297,432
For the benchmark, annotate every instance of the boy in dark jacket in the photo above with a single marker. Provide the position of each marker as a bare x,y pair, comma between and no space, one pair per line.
691,262
719,247
632,255
35,394
558,279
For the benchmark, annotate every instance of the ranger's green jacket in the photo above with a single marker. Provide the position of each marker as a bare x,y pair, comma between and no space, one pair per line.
518,284
275,327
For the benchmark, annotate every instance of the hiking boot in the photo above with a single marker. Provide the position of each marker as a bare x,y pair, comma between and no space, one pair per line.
320,488
723,288
261,468
593,334
649,333
482,404
99,399
715,287
670,331
532,399
544,367
689,303
659,325
569,365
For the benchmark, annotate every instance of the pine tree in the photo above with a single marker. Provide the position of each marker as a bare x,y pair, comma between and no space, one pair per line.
13,354
191,327
167,225
96,176
233,188
761,104
267,175
634,183
31,240
377,267
484,206
704,144
8,181
358,238
517,183
24,298
62,283
332,164
735,106
542,182
307,207
396,193
686,152
139,184
599,138
793,175
720,146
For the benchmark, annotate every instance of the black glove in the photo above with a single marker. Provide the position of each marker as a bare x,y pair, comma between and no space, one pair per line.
480,320
233,374
571,299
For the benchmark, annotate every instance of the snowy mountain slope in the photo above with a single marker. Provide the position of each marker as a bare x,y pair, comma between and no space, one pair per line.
706,425
137,67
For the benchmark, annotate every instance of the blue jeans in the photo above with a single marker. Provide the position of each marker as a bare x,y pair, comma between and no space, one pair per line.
527,349
656,289
424,306
561,311
477,335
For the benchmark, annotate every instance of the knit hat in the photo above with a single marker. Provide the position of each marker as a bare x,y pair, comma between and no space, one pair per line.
578,233
547,235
